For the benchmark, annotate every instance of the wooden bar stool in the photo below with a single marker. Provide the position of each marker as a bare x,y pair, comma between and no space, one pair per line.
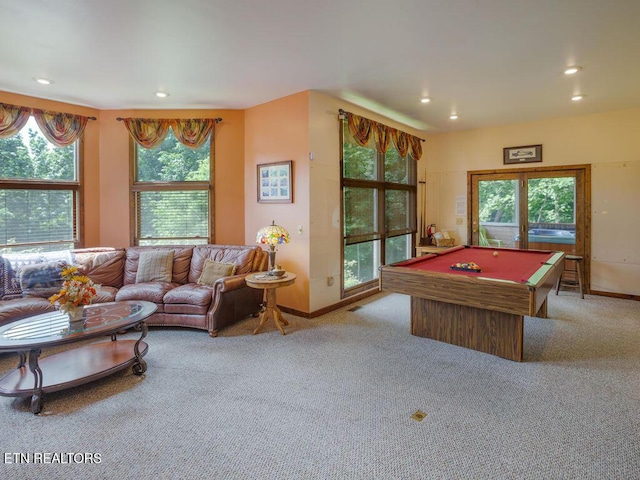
577,280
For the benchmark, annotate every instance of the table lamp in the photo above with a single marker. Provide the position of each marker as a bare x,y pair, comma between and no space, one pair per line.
272,235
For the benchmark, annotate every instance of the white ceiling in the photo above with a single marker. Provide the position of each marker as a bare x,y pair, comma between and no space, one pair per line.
491,61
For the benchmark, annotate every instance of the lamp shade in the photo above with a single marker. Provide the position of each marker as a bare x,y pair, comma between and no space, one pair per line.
272,235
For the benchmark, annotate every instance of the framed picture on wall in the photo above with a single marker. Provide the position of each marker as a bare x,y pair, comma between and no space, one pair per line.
526,154
275,184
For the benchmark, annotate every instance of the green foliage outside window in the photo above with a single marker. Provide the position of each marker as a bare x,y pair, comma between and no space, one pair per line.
34,158
36,219
363,223
179,215
171,161
550,200
498,201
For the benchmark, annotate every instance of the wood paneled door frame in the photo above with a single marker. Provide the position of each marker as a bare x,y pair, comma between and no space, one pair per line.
582,175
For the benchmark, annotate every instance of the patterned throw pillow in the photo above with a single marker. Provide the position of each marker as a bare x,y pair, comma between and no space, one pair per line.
41,279
13,263
155,266
212,271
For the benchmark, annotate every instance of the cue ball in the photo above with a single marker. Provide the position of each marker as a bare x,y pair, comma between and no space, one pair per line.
495,254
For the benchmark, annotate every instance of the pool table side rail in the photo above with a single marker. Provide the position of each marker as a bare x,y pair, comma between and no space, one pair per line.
471,291
544,280
478,292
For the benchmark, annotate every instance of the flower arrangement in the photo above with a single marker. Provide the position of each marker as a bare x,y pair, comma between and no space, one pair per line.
77,290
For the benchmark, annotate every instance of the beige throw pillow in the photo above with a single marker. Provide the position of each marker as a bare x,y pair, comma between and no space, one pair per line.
155,266
212,271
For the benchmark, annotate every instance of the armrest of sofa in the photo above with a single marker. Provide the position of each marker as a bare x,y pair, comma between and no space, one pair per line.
227,284
233,300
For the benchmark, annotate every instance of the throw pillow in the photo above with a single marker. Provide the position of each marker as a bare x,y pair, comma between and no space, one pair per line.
445,242
41,279
14,262
212,271
155,266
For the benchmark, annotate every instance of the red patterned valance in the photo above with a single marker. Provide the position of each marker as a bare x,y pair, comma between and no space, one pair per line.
12,119
147,132
361,129
61,129
150,132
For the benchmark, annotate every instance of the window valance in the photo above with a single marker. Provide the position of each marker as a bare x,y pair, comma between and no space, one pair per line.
362,128
150,132
61,129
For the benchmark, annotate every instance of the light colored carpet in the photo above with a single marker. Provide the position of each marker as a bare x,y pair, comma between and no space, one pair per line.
333,399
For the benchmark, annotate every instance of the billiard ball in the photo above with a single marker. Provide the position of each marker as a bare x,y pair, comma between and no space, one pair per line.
495,254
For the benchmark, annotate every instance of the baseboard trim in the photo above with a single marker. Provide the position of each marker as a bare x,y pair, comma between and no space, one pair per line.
330,308
616,295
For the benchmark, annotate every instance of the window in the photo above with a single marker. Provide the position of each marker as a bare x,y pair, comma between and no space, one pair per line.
39,193
172,193
538,208
379,210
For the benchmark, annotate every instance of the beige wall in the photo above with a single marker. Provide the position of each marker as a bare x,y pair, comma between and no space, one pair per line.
607,141
275,132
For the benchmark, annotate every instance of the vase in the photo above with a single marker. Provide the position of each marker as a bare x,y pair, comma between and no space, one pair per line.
75,315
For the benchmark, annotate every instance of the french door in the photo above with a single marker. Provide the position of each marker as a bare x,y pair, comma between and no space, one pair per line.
537,208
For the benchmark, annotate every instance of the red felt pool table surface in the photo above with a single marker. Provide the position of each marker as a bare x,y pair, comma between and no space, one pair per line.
509,264
478,310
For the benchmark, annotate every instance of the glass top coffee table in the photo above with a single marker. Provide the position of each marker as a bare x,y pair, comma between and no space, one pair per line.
74,366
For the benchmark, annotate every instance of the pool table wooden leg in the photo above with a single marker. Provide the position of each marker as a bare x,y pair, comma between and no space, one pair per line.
488,331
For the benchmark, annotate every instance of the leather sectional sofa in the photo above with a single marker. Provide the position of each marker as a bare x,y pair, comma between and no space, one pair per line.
183,302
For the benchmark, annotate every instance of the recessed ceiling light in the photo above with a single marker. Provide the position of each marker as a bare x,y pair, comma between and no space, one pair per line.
43,81
577,98
425,100
162,94
453,117
572,70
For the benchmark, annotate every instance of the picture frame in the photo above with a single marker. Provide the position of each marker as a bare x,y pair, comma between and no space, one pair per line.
524,154
275,182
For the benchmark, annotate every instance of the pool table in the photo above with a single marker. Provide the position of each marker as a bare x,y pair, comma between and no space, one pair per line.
479,310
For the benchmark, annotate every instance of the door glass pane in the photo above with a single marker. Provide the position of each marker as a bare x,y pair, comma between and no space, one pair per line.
498,213
398,249
361,263
552,213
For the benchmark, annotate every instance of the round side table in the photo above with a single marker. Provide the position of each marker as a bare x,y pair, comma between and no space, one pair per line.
269,283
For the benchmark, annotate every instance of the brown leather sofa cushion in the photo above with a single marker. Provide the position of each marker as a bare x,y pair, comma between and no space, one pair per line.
105,294
11,310
190,293
103,265
181,262
151,292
